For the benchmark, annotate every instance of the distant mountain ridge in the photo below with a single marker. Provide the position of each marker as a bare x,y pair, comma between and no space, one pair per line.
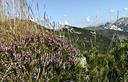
121,25
103,37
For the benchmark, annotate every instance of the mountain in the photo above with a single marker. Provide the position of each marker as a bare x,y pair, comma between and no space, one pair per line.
122,23
86,39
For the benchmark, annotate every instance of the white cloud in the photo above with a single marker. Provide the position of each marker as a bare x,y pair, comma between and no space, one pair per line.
126,9
88,19
66,22
60,23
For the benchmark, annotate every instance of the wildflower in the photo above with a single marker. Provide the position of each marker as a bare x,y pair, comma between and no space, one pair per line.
81,62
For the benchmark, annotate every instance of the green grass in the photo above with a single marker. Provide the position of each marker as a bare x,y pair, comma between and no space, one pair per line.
30,52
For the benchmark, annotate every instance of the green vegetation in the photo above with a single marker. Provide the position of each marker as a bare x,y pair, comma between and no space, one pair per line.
43,55
102,40
30,52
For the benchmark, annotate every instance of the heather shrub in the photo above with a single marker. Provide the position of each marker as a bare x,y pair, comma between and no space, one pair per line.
40,57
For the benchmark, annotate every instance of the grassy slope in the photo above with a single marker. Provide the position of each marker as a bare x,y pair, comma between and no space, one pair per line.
34,48
11,29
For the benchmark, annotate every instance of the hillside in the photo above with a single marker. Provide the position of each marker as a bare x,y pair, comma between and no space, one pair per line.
100,39
31,52
10,29
37,43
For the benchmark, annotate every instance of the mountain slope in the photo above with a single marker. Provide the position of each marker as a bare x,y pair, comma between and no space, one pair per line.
9,29
122,23
100,39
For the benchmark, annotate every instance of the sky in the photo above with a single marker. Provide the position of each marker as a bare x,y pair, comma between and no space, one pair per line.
83,12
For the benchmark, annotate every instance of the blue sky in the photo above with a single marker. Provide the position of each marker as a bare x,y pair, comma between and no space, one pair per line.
83,12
